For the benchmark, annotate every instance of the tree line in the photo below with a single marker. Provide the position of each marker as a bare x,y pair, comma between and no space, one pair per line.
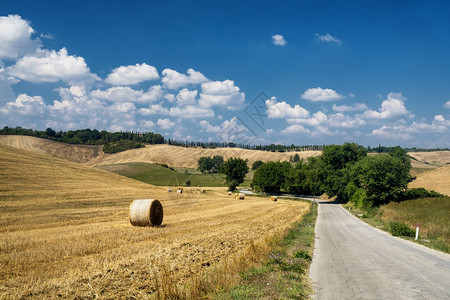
344,171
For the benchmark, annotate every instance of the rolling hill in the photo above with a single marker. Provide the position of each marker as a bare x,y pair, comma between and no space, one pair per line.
65,231
437,180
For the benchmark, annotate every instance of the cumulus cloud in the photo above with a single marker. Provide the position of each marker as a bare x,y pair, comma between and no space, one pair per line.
278,40
296,128
147,124
276,110
185,112
186,97
174,80
327,38
25,105
235,131
391,133
447,104
6,91
165,124
347,108
133,74
316,119
208,127
221,93
319,94
344,121
392,107
127,94
15,37
52,66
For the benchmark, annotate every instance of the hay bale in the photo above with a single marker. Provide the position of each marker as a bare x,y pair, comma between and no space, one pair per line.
273,198
230,193
169,190
180,191
203,191
240,196
146,212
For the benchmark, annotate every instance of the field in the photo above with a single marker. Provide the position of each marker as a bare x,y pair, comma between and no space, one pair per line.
437,180
64,232
432,214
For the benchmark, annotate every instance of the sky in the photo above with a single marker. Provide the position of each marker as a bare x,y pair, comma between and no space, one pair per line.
252,72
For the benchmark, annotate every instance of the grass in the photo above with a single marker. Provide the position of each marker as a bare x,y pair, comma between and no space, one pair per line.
158,175
432,214
284,273
65,233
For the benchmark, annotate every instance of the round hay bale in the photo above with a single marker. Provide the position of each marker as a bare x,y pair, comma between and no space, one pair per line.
240,196
203,191
169,190
146,212
180,191
230,193
273,198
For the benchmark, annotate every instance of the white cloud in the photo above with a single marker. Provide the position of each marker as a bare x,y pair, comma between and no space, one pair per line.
165,124
278,40
25,105
186,97
125,107
127,94
392,107
169,97
341,120
276,110
6,91
353,107
317,119
208,127
146,124
132,74
232,131
319,94
390,133
185,112
297,128
15,37
52,66
447,104
327,38
174,80
221,93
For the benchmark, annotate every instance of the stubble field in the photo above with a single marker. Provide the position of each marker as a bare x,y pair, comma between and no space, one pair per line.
64,232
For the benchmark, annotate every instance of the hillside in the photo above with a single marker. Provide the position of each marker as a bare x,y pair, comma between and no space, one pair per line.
436,158
437,180
65,231
176,156
76,153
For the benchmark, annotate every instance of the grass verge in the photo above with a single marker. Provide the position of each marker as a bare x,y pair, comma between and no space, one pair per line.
283,274
430,213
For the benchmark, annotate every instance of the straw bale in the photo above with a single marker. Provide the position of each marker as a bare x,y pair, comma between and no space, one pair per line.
240,196
146,212
273,198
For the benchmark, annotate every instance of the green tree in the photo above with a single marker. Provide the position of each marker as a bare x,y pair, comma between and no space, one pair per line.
205,164
256,164
271,176
217,162
235,170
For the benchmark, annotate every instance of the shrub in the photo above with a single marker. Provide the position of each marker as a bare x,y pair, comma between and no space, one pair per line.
400,229
303,254
188,182
233,185
416,193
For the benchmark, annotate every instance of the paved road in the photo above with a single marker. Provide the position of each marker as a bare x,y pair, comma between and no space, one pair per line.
353,260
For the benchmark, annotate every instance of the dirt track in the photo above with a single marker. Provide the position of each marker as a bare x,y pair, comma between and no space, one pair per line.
65,230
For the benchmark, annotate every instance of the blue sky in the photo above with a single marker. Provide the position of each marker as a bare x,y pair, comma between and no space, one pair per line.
302,72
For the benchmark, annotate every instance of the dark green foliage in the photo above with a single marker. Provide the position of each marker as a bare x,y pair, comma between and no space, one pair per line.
303,254
417,193
400,229
271,176
235,169
256,164
121,146
188,182
210,164
233,185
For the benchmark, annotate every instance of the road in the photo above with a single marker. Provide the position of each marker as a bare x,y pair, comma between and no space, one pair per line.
353,260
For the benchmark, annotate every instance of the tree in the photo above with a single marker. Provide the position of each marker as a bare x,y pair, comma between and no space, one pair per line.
205,164
296,158
235,170
382,177
271,176
256,164
217,162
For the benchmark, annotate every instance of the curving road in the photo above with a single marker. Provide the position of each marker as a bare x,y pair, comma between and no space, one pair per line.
353,260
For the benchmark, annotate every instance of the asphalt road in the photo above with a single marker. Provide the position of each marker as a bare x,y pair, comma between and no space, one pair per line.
353,260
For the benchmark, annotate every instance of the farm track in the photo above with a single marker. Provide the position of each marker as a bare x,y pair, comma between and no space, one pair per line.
64,230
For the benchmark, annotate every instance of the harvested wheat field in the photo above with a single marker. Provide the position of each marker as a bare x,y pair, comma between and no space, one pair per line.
65,232
437,180
76,153
436,158
188,157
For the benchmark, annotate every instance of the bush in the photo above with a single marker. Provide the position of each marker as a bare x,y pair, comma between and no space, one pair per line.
400,229
233,185
416,193
256,164
188,182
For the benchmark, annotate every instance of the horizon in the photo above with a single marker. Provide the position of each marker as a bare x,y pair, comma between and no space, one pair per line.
303,73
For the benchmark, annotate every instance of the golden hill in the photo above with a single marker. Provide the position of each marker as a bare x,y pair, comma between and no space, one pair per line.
176,156
436,158
437,180
76,153
65,232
